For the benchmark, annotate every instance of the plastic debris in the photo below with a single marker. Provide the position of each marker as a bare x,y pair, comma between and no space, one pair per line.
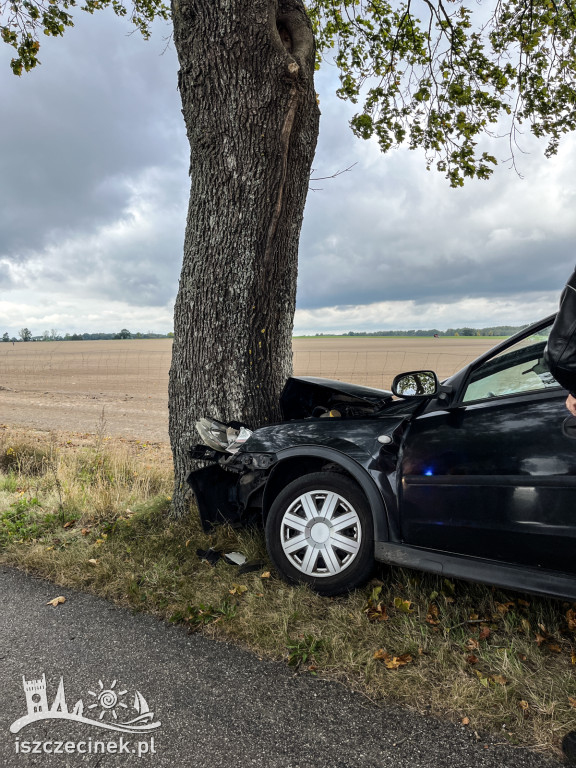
235,558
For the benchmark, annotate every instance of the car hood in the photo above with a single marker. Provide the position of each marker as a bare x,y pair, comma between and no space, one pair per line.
305,396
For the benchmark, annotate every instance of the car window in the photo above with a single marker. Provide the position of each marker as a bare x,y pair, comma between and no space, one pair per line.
520,368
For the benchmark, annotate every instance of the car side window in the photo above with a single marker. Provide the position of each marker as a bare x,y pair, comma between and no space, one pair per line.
520,368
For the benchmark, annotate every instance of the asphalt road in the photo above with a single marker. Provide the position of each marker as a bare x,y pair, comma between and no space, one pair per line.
216,705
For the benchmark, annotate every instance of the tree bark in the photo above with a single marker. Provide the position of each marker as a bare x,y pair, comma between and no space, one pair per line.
251,114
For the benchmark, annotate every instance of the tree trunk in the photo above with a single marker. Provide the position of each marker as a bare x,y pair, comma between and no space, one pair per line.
246,82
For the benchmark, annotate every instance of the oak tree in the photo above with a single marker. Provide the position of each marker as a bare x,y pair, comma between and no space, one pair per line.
436,75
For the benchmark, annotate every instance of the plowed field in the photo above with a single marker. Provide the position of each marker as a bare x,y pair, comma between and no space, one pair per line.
120,386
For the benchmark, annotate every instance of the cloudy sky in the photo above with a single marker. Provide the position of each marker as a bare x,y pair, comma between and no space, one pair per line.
94,186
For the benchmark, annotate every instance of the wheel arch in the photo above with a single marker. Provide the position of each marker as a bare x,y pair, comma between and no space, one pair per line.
293,463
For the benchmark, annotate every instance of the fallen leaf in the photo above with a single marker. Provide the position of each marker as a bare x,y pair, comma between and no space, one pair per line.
405,606
572,701
393,662
571,619
374,609
471,644
503,608
69,523
432,615
265,575
523,603
238,589
573,657
539,639
93,561
465,721
85,531
56,601
484,633
480,676
499,679
554,647
472,659
524,706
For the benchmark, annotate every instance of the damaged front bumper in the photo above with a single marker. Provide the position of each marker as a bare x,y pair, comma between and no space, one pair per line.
230,489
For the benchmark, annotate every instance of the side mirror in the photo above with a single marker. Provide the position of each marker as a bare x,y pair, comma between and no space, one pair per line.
415,384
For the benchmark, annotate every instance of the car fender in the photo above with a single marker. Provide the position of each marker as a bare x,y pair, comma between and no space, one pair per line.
352,467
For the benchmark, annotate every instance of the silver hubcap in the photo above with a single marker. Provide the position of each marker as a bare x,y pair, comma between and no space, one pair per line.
321,533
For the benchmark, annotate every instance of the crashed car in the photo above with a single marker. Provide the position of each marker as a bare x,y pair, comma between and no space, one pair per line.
471,478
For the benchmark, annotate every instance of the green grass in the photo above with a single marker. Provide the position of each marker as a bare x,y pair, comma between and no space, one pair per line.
98,518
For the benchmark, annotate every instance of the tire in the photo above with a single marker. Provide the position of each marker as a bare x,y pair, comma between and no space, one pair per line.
309,540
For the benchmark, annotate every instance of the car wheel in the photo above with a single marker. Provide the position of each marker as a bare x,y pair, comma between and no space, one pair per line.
319,531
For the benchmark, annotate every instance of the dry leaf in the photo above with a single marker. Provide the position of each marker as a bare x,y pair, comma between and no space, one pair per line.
405,606
572,701
238,589
265,575
69,523
523,603
484,633
524,706
554,647
471,644
571,619
377,612
573,657
480,676
432,615
503,608
85,531
393,662
465,721
499,679
56,601
472,659
93,561
539,639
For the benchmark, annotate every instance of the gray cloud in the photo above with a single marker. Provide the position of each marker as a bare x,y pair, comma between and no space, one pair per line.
94,187
102,107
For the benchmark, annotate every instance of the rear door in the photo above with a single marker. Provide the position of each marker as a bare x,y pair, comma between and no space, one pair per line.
494,475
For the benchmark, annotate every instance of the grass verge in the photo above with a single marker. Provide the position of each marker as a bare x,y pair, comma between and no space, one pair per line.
93,513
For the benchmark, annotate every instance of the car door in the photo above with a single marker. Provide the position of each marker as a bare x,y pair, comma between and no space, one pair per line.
493,475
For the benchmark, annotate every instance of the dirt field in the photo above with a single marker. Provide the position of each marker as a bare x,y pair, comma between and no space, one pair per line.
74,386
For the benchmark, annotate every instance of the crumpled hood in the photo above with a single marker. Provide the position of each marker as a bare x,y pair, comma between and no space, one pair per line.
304,396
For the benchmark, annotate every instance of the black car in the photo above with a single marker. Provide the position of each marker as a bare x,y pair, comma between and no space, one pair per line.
472,478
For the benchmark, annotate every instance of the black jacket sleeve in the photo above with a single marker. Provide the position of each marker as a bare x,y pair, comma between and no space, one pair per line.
560,352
